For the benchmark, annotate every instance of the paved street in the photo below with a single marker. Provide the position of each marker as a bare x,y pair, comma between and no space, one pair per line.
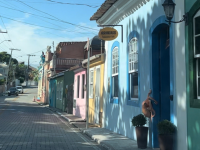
25,125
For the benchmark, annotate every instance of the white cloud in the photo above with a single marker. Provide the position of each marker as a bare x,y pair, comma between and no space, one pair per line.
31,39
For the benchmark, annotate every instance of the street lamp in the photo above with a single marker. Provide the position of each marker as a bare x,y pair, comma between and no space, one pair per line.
169,7
5,40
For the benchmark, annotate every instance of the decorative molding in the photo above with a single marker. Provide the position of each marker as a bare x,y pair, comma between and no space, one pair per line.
120,10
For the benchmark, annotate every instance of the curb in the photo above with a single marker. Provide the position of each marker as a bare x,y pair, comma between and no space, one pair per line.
82,130
97,140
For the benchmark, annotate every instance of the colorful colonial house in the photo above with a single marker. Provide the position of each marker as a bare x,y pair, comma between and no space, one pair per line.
192,32
147,54
96,79
79,102
61,91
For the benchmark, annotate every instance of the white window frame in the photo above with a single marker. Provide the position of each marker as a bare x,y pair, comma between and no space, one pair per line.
197,15
196,56
133,55
91,83
132,60
115,67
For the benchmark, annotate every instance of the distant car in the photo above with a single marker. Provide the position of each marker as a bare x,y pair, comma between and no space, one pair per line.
20,89
13,91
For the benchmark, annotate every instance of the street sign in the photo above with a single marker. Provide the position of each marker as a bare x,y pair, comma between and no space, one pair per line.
108,34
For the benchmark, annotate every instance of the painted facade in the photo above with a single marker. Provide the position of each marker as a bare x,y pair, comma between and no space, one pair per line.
96,78
79,108
58,93
192,7
52,93
144,60
68,88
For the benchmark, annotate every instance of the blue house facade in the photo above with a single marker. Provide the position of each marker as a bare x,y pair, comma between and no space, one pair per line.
146,55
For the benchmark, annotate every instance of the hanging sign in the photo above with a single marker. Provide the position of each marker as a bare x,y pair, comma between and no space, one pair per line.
108,34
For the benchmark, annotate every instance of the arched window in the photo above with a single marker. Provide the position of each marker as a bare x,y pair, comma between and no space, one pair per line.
133,68
115,71
196,33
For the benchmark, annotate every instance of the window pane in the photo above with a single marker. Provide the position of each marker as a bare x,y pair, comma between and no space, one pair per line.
134,85
115,86
197,45
78,82
198,87
91,90
83,83
198,69
197,25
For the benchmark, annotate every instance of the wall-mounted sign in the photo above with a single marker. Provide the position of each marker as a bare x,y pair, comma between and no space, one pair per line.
108,34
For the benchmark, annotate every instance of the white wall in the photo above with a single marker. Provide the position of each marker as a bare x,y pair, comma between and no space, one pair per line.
180,118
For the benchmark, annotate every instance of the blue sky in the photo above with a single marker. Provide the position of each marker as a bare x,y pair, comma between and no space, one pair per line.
50,22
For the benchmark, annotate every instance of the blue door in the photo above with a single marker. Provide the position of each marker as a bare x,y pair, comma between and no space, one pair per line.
160,77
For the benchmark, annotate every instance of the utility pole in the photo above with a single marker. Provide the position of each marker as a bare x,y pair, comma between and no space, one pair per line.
54,60
12,49
28,69
87,91
53,45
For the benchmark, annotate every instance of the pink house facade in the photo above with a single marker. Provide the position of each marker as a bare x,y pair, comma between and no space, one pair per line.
79,108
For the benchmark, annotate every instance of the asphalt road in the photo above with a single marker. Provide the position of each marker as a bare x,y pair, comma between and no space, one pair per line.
25,125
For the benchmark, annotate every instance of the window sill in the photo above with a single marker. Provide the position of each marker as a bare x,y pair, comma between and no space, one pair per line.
133,102
134,99
114,100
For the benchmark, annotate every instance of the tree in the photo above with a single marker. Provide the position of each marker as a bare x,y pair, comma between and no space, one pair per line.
21,79
2,81
34,75
5,57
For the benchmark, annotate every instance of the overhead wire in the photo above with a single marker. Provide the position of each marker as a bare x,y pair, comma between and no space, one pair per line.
56,17
38,15
43,26
6,30
72,3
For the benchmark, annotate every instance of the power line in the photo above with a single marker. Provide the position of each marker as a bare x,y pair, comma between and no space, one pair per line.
73,4
6,30
56,17
43,26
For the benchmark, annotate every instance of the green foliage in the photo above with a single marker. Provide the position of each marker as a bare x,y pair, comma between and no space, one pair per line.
20,71
2,81
139,120
5,57
21,79
166,127
34,75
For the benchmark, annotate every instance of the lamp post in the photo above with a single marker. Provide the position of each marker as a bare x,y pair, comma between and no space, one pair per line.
169,7
5,40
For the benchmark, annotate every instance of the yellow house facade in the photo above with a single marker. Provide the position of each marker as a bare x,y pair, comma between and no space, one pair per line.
96,80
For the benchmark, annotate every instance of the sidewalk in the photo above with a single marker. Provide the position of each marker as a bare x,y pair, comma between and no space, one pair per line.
104,137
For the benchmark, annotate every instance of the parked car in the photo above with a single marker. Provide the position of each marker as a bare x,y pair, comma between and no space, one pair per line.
20,89
13,91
